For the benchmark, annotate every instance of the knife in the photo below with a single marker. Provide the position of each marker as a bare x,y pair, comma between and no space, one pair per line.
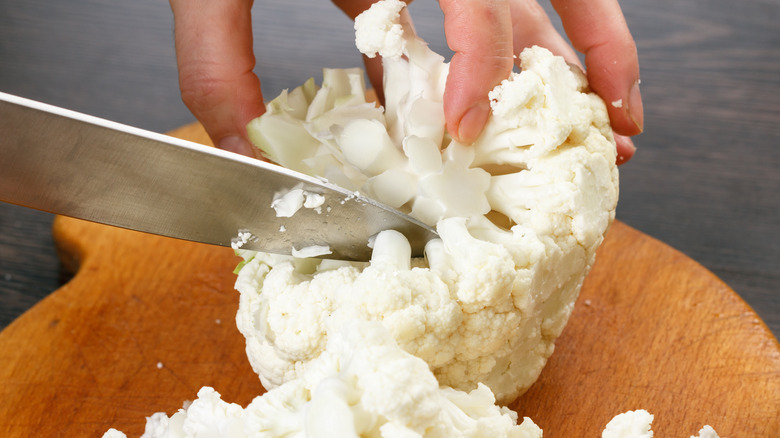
72,164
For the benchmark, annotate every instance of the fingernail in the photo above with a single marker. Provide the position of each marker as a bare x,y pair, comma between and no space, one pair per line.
635,110
238,145
472,122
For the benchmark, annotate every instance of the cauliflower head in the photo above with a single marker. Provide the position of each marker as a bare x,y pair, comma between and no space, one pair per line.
520,214
401,347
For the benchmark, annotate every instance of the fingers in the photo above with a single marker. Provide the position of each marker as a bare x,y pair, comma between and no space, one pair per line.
215,60
531,26
480,34
601,33
598,29
353,8
375,72
485,34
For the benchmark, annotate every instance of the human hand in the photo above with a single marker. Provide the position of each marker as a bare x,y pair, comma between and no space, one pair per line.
215,58
485,35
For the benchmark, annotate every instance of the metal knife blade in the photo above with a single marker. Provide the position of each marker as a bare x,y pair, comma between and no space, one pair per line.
72,164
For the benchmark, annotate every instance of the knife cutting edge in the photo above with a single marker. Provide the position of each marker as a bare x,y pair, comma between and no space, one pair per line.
72,164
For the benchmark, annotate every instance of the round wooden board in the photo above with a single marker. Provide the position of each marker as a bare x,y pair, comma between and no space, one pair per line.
147,321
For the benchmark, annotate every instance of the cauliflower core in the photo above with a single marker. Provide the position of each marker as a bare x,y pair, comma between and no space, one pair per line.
520,214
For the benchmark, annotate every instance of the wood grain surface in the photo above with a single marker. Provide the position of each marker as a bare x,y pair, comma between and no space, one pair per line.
147,321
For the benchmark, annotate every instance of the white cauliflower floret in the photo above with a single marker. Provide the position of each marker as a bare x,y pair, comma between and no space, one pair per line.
520,214
364,385
381,32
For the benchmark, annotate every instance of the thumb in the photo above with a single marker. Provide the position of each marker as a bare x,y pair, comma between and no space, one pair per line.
215,59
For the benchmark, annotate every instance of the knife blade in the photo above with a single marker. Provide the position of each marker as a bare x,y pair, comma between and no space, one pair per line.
73,164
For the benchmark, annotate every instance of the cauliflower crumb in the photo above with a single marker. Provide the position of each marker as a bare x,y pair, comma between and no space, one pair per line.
617,103
314,201
241,240
287,204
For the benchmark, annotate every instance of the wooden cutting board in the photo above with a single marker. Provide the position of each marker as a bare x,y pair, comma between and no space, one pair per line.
147,321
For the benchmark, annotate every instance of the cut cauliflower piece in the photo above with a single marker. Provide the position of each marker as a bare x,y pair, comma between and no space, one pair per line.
637,424
364,385
707,432
631,424
520,214
381,32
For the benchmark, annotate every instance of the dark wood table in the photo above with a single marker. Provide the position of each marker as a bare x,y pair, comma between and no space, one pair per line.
705,179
